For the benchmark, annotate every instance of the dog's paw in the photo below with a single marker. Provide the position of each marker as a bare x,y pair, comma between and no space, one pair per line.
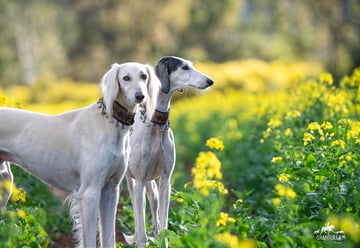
130,239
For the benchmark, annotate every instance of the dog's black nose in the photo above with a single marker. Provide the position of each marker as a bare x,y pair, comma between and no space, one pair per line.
139,96
210,81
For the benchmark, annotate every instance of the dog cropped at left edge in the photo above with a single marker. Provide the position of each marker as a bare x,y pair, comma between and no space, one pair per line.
6,181
84,151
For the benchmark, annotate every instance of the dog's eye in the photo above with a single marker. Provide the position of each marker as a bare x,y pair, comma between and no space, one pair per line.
143,76
126,78
185,67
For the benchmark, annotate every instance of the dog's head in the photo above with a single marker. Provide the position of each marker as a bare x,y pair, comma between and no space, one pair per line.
177,73
130,84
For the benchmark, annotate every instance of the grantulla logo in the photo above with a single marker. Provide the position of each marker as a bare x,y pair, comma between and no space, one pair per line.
327,233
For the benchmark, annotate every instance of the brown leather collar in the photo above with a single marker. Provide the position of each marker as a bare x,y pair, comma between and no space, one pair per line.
160,118
120,113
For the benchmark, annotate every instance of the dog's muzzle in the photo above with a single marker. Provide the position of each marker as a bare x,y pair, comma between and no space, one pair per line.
139,96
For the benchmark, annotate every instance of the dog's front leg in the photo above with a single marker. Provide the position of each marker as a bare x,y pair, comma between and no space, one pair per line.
153,197
89,214
139,213
108,202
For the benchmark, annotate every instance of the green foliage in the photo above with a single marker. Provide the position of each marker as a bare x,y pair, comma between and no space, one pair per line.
23,228
290,160
289,165
31,217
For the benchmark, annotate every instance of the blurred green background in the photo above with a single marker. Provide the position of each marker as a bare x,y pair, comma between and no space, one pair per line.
80,39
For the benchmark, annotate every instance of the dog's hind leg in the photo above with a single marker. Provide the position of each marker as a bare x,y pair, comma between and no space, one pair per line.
6,183
130,239
153,197
165,188
84,209
108,202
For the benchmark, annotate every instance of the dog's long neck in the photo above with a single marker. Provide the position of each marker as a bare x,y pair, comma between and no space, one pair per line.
162,110
163,102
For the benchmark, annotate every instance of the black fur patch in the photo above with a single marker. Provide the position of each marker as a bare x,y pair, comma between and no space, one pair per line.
171,63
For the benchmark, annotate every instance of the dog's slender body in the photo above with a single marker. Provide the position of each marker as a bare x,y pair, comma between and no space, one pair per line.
85,151
152,156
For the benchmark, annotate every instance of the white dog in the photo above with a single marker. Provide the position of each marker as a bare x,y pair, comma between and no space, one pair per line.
152,156
84,151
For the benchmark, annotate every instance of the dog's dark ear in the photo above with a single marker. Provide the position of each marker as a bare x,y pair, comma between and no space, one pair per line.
153,87
162,71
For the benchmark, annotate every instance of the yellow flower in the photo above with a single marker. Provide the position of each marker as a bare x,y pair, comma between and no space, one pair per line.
348,157
326,78
348,225
290,193
21,213
355,129
233,241
224,218
221,188
293,114
345,224
326,125
230,240
3,100
284,177
276,159
345,122
281,190
215,143
308,137
313,126
273,123
248,243
288,132
18,194
237,202
276,201
207,169
339,143
8,185
285,191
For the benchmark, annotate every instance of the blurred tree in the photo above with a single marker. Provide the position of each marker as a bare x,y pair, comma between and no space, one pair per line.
123,30
80,39
31,40
210,30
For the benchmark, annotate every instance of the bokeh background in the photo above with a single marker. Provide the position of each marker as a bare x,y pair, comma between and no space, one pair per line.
285,104
79,39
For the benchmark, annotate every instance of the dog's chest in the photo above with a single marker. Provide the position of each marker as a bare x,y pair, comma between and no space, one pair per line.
115,160
158,158
115,166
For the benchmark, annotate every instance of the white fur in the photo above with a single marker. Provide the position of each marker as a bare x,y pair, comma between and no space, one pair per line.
81,151
152,156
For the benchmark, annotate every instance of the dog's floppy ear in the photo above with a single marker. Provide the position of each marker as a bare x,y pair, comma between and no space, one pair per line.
153,87
162,71
110,87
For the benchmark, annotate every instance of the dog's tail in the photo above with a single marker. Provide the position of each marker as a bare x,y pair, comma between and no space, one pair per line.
74,208
6,184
